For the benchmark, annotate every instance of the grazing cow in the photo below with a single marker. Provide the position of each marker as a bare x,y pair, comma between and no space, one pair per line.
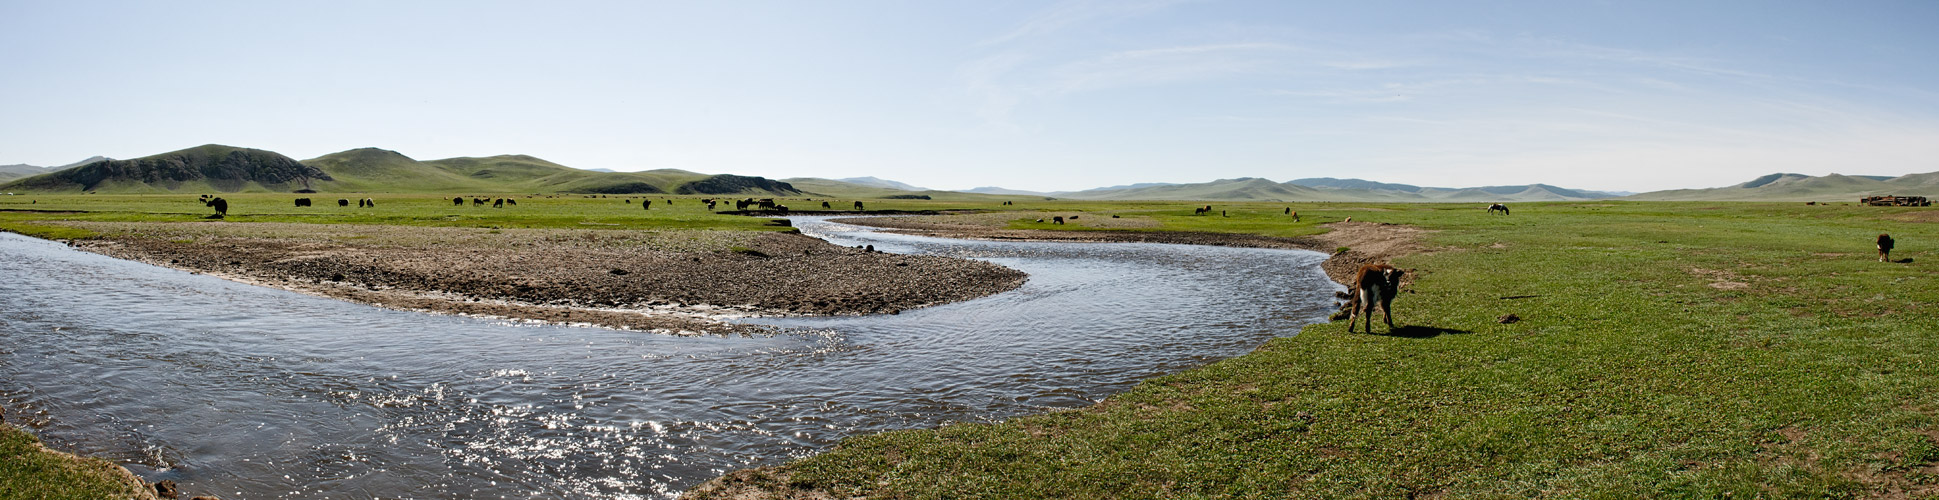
302,202
343,202
512,202
1057,220
858,205
1497,206
1289,210
710,204
1374,284
370,203
221,206
1884,247
824,205
1294,214
458,202
499,203
646,204
477,202
1040,220
1073,217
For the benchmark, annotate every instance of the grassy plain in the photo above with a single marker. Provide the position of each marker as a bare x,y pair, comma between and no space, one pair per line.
1664,350
28,471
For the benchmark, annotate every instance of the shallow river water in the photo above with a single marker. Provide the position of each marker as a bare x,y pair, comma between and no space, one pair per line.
247,392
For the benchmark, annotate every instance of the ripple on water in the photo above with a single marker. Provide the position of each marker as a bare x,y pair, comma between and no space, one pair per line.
251,392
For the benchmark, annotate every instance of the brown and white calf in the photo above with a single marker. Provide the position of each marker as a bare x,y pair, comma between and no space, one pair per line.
1374,283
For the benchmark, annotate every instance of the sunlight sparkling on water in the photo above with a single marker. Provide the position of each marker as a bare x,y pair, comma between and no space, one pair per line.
249,392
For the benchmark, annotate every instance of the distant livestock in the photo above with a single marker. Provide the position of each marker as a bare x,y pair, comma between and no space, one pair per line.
646,204
512,202
499,203
1057,220
343,202
1202,210
1884,247
1374,284
1497,206
824,205
858,205
458,202
220,205
302,202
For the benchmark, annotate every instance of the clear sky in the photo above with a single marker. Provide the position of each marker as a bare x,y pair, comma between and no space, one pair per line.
1629,95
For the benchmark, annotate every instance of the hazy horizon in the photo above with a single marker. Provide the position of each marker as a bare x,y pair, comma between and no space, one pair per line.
1039,96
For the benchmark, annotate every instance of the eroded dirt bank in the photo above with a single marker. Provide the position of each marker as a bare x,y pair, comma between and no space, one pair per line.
672,281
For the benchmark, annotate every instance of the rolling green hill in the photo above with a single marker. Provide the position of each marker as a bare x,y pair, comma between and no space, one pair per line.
1329,189
215,168
204,168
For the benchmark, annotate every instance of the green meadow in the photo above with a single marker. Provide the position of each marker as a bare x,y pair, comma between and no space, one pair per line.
1663,350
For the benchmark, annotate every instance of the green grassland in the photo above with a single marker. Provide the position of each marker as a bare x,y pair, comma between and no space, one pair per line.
28,471
1665,350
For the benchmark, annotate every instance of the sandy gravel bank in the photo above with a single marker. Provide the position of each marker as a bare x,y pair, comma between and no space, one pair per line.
673,281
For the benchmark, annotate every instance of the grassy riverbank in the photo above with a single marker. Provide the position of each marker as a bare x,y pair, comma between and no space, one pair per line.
30,471
1683,350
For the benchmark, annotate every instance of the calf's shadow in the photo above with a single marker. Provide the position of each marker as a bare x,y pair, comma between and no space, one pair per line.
1422,332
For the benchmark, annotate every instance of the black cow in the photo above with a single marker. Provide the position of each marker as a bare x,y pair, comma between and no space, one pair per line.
458,202
343,202
646,204
302,202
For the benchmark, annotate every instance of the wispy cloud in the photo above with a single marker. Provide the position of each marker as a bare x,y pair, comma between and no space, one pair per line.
1077,12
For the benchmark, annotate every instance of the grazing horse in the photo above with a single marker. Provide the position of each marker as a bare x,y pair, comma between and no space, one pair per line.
1374,284
1884,247
1497,206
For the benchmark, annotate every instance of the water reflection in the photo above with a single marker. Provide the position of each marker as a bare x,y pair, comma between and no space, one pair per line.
248,392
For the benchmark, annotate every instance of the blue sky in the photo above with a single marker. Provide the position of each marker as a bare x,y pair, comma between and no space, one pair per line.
1633,96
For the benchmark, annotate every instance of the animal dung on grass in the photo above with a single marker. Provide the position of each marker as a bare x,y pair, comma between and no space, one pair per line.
1508,319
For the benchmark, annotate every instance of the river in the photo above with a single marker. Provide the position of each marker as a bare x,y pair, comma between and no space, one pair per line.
247,392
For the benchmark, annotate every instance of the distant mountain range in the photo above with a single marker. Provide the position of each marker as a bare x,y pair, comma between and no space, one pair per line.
19,170
218,168
881,183
1800,187
1317,189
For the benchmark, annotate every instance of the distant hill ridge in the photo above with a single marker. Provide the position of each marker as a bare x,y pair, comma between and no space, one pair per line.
1800,187
217,168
